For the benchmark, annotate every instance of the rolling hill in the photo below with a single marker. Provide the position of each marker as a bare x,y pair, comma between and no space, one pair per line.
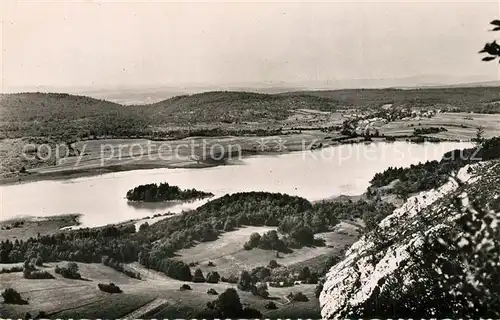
70,117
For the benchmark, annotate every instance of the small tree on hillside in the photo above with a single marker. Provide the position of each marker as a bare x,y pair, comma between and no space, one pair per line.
12,296
479,136
213,277
198,276
228,304
245,281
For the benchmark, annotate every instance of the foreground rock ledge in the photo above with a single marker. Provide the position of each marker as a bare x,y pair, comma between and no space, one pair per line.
368,264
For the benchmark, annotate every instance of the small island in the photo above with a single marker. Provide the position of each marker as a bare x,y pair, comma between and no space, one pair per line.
164,192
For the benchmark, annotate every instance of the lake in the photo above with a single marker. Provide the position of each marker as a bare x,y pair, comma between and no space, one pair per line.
315,175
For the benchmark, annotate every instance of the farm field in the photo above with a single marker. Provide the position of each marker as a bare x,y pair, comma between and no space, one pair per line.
34,226
229,257
158,296
301,130
459,126
152,297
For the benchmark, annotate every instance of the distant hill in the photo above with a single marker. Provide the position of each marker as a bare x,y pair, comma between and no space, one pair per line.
64,116
466,99
67,117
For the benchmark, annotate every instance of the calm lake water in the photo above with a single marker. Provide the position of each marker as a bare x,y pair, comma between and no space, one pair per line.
316,175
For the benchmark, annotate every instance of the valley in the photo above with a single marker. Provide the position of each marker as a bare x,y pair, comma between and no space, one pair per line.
311,184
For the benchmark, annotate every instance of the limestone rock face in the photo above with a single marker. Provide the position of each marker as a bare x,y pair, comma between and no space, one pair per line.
389,251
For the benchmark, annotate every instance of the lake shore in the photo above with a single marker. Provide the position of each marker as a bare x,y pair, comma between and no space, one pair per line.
90,164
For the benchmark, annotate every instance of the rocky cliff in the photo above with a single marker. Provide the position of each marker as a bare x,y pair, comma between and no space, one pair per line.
436,256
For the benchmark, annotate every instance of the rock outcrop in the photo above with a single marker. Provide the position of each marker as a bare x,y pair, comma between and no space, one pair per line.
432,251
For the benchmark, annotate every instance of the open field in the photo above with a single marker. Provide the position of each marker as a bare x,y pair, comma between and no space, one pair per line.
24,228
459,126
153,297
158,296
229,257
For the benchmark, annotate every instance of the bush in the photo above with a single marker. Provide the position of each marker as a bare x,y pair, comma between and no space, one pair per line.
273,264
198,276
12,296
143,226
210,264
110,288
245,281
260,273
70,271
304,274
11,270
185,287
112,263
213,277
254,240
250,313
212,291
230,224
299,296
228,304
36,274
39,261
260,290
271,306
231,279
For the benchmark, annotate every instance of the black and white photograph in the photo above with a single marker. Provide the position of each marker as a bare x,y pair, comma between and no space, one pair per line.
249,159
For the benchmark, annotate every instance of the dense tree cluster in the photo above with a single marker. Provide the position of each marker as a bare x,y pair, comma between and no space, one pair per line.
30,272
173,268
163,192
11,269
213,277
228,305
70,271
297,296
84,245
428,130
118,266
268,241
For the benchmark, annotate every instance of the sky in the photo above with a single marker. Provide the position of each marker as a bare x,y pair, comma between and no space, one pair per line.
101,44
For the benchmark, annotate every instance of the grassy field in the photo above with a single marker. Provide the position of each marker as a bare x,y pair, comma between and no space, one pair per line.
459,126
158,296
153,297
229,257
32,227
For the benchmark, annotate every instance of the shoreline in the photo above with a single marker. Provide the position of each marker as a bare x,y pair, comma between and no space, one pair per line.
54,173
